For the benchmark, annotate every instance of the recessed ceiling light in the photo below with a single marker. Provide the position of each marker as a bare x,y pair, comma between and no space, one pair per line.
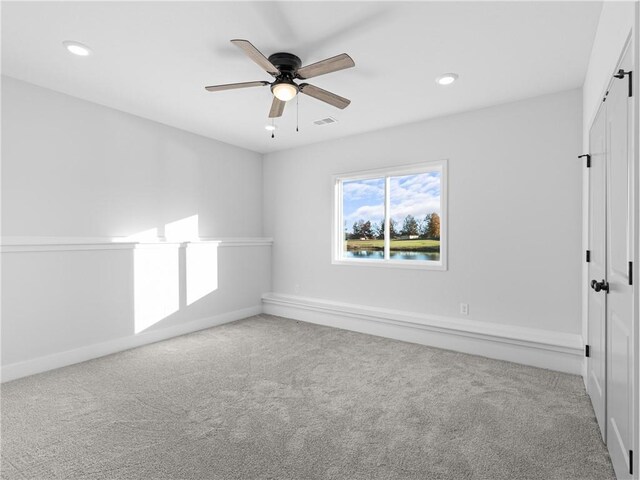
77,48
271,128
447,78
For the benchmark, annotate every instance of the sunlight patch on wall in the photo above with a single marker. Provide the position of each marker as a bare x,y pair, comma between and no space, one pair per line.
171,274
183,230
156,284
202,270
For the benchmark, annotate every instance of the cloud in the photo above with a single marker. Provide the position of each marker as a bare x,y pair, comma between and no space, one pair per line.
374,213
416,195
419,210
408,186
361,189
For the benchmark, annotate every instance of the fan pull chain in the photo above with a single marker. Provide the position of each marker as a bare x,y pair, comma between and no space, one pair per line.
273,132
297,111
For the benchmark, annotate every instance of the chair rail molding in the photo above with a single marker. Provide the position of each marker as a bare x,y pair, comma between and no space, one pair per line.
53,244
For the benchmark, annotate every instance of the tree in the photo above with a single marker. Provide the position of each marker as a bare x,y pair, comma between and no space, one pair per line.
434,226
378,230
424,226
361,229
393,233
365,230
356,231
409,226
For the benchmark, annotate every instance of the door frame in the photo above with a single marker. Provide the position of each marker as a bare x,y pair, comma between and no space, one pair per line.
632,41
635,215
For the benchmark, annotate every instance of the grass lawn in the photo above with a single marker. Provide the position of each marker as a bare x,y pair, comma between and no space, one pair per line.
396,245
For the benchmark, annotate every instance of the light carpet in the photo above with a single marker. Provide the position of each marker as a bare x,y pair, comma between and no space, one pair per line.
272,398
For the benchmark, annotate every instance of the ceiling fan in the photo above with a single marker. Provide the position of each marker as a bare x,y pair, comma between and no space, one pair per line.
285,68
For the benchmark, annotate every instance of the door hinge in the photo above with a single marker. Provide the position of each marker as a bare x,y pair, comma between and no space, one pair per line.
588,256
588,159
621,73
586,351
630,273
630,462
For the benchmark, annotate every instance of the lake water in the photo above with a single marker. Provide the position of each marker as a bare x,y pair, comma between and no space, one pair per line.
397,255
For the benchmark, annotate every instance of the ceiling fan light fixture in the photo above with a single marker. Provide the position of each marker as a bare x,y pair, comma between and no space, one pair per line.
446,78
270,128
284,91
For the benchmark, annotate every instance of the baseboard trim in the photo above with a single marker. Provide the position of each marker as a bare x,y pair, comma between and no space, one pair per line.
539,348
62,359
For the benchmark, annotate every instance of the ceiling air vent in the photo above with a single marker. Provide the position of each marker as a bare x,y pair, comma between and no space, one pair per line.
325,121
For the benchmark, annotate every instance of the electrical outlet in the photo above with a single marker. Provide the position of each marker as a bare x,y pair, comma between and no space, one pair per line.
464,309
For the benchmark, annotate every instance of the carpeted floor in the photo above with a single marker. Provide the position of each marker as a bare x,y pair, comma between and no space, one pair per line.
272,398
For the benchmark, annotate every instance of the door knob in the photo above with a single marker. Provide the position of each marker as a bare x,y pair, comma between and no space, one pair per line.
597,286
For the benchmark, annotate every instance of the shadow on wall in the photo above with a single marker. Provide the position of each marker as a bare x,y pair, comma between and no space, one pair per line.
171,271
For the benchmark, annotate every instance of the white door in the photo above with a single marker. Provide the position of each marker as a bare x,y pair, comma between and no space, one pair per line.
619,315
597,332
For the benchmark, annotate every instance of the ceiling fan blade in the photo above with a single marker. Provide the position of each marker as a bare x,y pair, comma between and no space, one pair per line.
233,86
324,96
254,54
277,107
333,64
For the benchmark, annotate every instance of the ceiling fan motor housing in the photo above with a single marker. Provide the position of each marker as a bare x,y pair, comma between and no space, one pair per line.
287,63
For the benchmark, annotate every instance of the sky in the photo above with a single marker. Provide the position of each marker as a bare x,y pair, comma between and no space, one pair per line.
415,195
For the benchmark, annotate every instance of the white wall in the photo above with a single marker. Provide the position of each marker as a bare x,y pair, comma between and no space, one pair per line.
69,305
72,168
77,174
514,216
90,173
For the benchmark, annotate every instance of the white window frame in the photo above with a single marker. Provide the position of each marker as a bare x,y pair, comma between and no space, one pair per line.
337,231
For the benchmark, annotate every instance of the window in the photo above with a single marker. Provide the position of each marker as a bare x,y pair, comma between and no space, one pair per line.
392,217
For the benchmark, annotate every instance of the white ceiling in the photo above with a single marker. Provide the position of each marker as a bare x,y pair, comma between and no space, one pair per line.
153,59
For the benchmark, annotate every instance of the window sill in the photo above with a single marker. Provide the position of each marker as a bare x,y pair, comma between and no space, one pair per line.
410,264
